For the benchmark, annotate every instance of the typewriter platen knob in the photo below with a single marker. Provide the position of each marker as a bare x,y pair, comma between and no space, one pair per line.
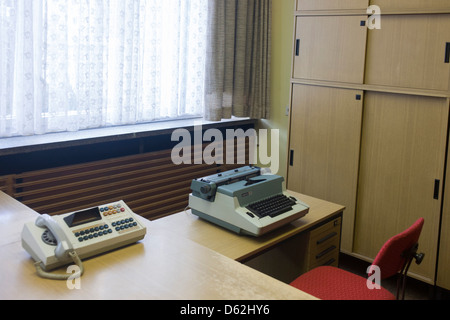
205,189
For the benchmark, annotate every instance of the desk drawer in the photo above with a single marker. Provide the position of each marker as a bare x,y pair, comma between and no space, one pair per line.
327,257
324,244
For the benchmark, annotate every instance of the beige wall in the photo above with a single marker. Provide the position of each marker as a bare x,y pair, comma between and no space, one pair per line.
282,37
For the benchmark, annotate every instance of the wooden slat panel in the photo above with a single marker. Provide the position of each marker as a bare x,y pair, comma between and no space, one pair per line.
3,185
151,184
7,184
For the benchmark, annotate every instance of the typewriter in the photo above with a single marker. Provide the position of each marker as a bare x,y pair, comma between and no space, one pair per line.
245,200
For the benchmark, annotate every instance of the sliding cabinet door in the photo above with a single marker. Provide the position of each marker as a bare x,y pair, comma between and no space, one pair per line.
404,5
331,4
401,173
324,144
330,48
411,51
443,272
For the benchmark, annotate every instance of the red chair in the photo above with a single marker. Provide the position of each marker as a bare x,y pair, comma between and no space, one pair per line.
395,257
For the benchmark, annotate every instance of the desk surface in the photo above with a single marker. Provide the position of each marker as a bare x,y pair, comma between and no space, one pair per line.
162,266
242,248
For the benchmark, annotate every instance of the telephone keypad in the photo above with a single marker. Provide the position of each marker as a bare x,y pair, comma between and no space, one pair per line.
94,232
124,224
110,211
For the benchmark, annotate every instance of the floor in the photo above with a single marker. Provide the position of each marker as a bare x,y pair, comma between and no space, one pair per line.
415,289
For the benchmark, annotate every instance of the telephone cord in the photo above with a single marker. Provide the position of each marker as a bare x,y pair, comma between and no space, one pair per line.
47,275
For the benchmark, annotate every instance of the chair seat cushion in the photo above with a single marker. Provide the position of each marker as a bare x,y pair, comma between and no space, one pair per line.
330,283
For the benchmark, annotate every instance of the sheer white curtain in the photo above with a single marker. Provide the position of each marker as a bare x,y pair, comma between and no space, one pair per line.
67,65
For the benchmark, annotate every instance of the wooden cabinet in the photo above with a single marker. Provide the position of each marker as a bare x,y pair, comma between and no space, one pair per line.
330,48
402,155
324,143
331,4
369,122
408,6
443,272
410,51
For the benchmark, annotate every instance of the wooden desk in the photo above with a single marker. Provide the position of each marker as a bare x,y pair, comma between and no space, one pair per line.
242,248
283,254
162,266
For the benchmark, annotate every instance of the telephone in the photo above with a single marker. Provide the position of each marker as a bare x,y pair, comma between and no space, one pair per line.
55,241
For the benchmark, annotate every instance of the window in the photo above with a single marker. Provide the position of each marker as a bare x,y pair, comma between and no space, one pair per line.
67,65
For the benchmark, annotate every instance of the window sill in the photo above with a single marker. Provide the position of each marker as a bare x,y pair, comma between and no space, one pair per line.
16,145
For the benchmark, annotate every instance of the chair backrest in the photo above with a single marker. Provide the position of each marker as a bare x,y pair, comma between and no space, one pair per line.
392,256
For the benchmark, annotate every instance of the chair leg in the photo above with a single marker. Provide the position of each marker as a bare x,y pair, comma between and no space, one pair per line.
401,281
401,285
409,255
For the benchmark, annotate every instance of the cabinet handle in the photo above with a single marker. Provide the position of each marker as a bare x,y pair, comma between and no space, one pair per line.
297,47
447,52
291,160
437,183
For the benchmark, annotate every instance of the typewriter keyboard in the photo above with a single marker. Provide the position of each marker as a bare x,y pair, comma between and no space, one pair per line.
272,206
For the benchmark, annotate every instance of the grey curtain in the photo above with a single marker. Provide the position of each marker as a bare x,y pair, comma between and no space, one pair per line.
238,59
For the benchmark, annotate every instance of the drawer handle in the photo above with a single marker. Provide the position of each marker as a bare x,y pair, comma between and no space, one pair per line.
320,255
331,235
329,262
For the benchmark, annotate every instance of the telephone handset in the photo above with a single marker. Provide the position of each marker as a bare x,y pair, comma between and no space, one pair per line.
64,239
63,244
63,248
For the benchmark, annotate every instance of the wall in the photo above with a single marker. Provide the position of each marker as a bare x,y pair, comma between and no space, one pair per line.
282,37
